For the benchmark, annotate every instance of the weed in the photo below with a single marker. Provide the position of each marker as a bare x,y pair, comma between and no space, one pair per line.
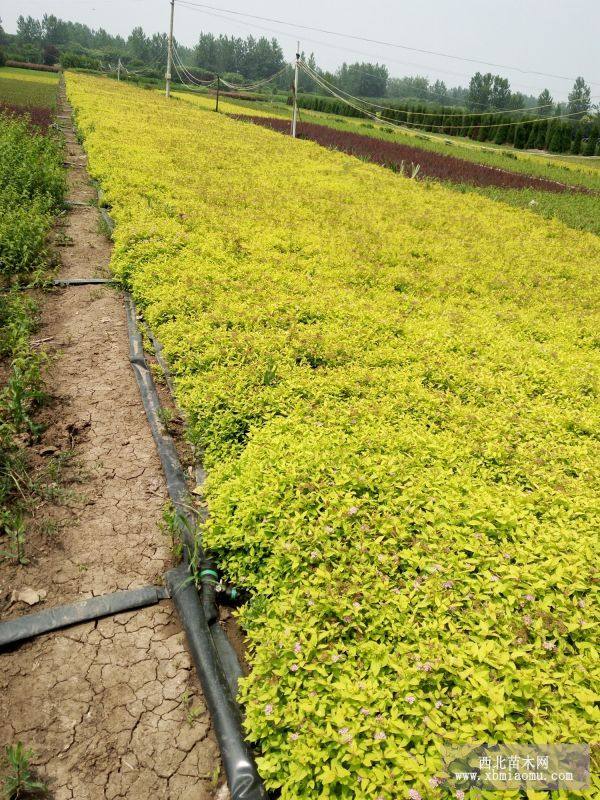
191,712
18,778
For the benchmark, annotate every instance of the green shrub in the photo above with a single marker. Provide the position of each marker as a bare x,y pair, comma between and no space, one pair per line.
31,188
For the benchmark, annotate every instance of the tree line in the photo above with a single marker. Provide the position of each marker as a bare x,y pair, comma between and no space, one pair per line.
417,101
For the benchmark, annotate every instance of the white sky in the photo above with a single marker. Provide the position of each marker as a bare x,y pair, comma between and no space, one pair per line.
560,37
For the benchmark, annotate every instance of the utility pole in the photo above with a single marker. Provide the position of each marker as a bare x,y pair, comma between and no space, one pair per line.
295,111
119,69
170,53
218,88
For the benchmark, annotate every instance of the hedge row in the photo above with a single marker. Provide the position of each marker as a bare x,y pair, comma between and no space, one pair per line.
555,135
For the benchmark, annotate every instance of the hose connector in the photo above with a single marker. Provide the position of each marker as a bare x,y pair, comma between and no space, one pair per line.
209,578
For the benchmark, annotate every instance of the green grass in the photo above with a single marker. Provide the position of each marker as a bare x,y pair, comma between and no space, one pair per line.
26,87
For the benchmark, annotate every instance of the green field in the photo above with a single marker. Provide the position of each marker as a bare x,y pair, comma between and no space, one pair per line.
26,87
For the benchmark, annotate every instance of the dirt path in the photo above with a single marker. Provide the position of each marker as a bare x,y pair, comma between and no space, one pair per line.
112,708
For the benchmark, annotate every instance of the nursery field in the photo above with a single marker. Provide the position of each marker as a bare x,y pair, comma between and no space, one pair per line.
395,389
552,188
29,91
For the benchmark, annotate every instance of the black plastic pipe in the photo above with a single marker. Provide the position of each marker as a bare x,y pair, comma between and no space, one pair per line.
242,777
216,661
30,625
176,483
82,281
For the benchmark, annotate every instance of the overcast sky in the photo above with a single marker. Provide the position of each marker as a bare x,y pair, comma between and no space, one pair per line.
560,37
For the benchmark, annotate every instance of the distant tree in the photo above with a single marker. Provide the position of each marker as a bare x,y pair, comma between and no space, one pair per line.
439,92
501,134
363,79
54,31
414,86
580,98
545,100
138,44
517,101
480,91
2,58
589,147
29,30
542,133
306,83
51,54
500,93
577,140
521,137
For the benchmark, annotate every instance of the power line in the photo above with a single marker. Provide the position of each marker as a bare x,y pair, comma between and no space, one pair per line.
320,43
380,42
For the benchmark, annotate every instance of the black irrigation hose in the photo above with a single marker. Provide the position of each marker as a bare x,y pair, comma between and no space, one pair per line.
176,483
83,281
30,625
242,777
213,655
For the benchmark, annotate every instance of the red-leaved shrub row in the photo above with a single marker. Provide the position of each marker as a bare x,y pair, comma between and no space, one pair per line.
27,65
404,157
38,117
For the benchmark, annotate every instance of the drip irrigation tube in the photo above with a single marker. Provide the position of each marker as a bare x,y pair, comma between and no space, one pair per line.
242,778
30,625
82,281
176,483
213,655
108,220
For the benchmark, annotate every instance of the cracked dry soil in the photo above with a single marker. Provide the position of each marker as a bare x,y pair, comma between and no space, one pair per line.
111,708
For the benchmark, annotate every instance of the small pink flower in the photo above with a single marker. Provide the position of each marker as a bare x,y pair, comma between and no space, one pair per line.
314,554
268,709
311,603
494,578
335,658
434,782
447,584
414,795
410,698
379,717
460,795
356,605
581,604
438,704
347,619
365,712
328,529
527,619
297,647
426,667
549,645
294,668
379,736
294,736
352,511
530,598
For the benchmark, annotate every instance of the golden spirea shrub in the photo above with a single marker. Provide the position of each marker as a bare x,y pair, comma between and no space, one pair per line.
396,390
